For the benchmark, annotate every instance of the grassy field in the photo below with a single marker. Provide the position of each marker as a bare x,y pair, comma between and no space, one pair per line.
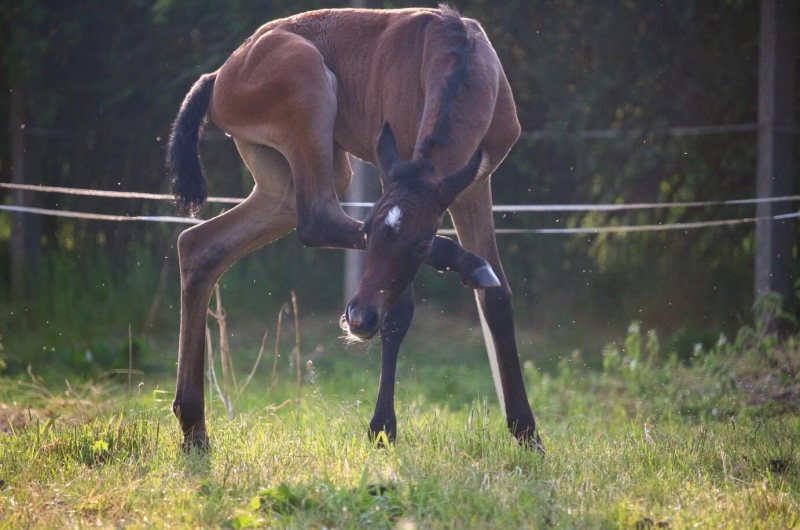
648,442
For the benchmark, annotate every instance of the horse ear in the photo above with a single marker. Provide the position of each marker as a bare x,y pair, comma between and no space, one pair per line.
388,153
453,184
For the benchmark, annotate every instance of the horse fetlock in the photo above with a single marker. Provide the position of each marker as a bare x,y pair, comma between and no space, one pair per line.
325,225
309,234
531,441
190,414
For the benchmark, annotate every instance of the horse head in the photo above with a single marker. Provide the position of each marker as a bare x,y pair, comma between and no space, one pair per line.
400,230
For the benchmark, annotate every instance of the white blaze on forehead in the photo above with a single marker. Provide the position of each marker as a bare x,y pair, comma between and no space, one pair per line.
393,218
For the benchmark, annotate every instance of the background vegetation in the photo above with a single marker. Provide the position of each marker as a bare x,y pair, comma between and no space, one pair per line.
105,79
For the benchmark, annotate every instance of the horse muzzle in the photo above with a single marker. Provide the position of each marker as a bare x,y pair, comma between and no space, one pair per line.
362,321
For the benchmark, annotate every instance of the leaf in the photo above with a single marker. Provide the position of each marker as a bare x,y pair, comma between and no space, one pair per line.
282,500
245,520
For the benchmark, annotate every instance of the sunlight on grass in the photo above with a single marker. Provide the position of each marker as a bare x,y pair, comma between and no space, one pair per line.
648,442
313,466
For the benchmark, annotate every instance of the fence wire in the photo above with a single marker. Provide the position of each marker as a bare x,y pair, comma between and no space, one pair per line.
444,231
496,208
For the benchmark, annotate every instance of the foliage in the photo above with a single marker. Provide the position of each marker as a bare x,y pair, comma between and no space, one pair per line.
573,66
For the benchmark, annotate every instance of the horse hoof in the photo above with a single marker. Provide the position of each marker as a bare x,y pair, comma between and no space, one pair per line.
482,278
195,441
531,443
538,445
382,436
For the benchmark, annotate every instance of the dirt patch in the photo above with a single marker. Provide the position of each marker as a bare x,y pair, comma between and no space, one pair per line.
14,417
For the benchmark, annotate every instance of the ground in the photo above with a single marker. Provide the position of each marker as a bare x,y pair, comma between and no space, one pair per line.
648,442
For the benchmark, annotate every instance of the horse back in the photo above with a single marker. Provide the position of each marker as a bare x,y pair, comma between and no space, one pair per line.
387,65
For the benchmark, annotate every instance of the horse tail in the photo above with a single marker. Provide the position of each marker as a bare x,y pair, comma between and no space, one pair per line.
183,156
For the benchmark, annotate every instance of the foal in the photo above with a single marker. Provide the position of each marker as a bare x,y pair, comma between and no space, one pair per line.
300,94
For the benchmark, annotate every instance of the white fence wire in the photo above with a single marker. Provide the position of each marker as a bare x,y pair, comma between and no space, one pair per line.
496,208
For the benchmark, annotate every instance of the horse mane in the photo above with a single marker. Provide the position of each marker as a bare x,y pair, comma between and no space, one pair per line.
463,44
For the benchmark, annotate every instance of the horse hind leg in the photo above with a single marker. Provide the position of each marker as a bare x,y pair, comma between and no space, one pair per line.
472,217
205,252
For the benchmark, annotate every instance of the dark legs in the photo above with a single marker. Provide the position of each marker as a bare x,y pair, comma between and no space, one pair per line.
446,255
499,313
394,329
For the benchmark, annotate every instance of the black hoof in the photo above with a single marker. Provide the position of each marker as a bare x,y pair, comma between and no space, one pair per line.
537,444
382,434
195,441
527,436
482,278
530,441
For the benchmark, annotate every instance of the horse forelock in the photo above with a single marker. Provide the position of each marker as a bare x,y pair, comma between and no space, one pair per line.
409,171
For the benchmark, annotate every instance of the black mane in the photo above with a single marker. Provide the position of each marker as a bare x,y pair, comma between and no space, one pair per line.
463,45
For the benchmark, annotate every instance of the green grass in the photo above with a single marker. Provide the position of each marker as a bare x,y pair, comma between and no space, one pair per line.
649,442
450,470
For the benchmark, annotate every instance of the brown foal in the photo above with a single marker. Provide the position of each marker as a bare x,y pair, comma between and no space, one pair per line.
297,97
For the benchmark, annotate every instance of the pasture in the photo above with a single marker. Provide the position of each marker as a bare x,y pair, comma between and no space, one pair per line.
647,441
651,179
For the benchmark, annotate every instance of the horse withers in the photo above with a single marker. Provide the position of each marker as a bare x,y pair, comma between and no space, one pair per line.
419,92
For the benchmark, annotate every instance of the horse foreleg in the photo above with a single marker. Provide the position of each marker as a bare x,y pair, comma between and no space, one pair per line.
394,329
322,223
447,255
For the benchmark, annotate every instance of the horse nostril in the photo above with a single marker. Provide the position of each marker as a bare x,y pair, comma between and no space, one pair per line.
352,320
362,321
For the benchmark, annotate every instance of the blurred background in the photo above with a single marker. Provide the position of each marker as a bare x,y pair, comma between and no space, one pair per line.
620,101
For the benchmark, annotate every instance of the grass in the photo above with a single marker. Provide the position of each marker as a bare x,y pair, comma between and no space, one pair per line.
314,468
649,442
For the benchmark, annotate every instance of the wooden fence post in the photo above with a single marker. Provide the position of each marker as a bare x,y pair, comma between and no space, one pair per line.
26,229
776,143
16,126
361,190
